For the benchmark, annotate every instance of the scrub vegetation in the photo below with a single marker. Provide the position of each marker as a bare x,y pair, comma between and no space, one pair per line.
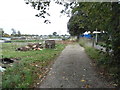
102,61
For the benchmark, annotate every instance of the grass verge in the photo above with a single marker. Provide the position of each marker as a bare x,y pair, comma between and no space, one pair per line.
30,67
103,63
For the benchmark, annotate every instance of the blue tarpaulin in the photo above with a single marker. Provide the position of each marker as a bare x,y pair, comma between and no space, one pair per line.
86,36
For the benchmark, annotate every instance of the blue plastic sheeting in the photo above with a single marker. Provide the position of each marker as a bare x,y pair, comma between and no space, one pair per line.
86,36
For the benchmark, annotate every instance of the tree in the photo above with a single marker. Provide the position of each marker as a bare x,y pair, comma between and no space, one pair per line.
115,30
103,17
6,35
54,33
43,7
75,25
19,33
1,32
50,36
13,32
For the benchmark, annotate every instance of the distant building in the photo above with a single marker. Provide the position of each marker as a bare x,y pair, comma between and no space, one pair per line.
5,40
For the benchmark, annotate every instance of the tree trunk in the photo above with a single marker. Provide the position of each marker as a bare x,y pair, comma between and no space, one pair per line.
78,37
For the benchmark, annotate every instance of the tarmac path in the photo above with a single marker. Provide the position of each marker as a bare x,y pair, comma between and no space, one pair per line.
73,69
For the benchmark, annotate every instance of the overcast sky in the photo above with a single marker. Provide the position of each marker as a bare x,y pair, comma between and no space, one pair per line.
20,16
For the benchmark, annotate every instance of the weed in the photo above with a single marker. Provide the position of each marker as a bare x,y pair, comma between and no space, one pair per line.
25,72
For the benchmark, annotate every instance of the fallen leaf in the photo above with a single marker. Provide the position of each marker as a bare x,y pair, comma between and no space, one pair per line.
85,69
82,80
36,65
53,72
38,83
87,86
40,76
74,74
115,84
63,77
66,79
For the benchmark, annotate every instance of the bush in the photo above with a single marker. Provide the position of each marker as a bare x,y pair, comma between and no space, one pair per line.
92,52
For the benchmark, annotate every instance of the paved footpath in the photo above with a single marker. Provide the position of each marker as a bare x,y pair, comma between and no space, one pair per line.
73,69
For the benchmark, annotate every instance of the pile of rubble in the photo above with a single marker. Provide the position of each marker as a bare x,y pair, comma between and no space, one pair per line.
30,46
6,62
2,69
38,46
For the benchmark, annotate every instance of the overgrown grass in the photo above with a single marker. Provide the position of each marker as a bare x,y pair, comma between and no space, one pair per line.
103,44
29,68
92,52
103,61
97,55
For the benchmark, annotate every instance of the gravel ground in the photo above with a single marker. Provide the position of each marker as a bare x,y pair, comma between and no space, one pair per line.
73,69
